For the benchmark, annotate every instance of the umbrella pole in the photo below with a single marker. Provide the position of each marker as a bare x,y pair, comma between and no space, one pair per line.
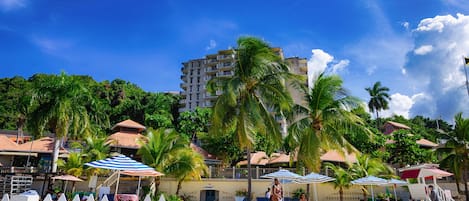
372,194
117,184
395,194
315,189
138,188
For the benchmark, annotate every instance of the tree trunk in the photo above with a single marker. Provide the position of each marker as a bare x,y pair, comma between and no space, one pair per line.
19,133
341,194
464,178
377,120
457,179
55,154
364,193
248,196
157,184
179,186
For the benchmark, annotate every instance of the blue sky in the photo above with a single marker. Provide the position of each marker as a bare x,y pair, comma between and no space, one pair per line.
404,44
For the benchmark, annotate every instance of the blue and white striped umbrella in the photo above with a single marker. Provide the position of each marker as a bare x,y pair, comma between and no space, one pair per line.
119,162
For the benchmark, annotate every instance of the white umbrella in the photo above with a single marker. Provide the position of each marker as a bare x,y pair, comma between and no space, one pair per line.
282,175
314,178
370,180
119,163
394,183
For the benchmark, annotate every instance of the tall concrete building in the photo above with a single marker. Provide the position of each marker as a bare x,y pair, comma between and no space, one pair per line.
197,72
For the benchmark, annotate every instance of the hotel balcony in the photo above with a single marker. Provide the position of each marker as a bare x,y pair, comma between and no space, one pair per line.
225,74
211,70
225,57
183,86
184,69
226,65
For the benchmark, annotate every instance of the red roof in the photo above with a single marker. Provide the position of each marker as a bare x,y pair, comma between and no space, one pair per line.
125,140
42,145
398,125
335,156
129,124
201,151
426,143
257,158
6,144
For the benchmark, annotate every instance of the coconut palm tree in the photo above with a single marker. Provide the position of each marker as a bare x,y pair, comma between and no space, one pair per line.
379,99
456,149
322,123
59,109
367,166
73,165
186,164
96,148
343,178
251,96
158,146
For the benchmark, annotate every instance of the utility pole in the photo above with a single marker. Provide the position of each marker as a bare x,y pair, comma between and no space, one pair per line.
466,63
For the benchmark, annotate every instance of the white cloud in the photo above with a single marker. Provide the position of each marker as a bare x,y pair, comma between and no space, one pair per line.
8,5
322,61
52,46
212,44
371,69
340,66
439,75
402,104
423,50
405,25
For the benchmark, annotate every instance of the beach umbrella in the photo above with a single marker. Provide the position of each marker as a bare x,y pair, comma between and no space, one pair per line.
281,174
119,163
140,174
394,183
284,175
370,181
67,178
314,178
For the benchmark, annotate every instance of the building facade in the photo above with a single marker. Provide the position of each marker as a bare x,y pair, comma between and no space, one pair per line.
197,72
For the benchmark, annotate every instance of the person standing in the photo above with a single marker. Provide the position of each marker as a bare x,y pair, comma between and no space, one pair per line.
433,195
267,193
303,197
277,191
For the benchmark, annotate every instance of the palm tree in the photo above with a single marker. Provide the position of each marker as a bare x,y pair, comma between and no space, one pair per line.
343,178
251,95
186,164
59,108
95,148
73,165
367,166
456,150
158,146
323,122
379,99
